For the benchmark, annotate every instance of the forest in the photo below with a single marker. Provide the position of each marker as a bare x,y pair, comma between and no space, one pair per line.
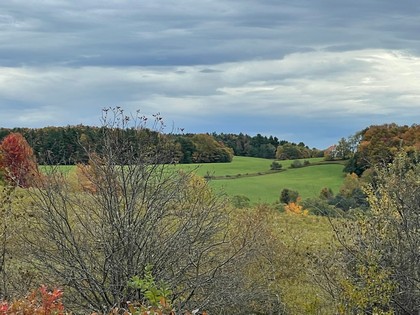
67,145
125,231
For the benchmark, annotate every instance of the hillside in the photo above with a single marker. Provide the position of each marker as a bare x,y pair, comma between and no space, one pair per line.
251,177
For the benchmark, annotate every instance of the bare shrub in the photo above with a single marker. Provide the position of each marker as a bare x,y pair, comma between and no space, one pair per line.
140,210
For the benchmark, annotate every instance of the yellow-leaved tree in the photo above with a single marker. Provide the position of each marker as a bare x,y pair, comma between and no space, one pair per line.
295,207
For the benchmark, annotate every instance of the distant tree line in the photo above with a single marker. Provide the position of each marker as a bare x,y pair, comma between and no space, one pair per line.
59,145
266,147
68,145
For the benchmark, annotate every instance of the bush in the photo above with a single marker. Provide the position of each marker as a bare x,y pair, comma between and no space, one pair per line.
142,211
326,193
240,201
275,166
296,164
288,195
39,302
295,208
317,206
157,295
46,302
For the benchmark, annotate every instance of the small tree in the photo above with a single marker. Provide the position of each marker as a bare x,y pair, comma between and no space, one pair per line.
17,160
240,201
288,195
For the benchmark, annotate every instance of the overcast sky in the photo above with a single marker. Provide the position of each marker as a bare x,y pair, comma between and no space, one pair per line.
301,70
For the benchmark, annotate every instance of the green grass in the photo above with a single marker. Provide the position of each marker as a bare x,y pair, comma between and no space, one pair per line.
308,181
239,165
61,168
266,188
251,177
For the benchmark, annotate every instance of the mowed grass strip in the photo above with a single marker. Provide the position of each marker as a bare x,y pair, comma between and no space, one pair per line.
239,165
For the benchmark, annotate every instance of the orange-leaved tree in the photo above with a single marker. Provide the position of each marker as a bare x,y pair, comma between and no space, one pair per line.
295,207
17,161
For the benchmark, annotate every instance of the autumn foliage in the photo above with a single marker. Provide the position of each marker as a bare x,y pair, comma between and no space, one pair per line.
49,302
39,302
295,208
17,161
379,144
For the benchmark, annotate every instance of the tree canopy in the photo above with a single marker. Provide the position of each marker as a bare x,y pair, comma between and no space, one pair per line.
379,144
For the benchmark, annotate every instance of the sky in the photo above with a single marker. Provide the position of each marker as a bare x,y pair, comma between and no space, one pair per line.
302,70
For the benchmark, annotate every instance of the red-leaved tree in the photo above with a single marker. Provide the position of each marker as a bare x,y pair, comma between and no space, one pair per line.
17,161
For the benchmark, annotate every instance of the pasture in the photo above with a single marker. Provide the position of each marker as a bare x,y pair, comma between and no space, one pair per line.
251,177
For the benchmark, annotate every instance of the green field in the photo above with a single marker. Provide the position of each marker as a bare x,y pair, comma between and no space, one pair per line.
252,177
242,178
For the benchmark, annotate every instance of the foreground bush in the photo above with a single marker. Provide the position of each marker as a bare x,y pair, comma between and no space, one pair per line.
45,302
376,270
134,209
39,302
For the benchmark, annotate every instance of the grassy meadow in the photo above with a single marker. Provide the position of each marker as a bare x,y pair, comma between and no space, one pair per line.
252,177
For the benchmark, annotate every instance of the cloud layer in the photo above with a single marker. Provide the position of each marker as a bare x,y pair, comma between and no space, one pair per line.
311,71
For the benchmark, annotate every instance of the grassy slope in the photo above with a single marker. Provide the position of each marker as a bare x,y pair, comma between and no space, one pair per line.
308,181
239,165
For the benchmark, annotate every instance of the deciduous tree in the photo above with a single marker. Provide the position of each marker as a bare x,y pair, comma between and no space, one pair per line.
17,160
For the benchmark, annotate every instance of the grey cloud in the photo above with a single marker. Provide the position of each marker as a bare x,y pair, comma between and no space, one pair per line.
186,32
208,70
213,65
